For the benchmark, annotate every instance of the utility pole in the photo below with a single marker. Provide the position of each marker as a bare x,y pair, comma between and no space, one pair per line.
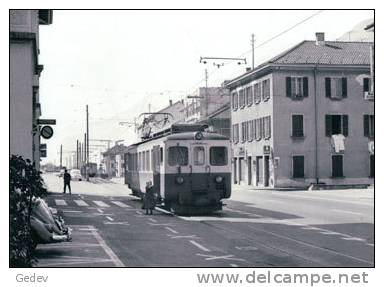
61,156
206,93
77,154
87,166
253,50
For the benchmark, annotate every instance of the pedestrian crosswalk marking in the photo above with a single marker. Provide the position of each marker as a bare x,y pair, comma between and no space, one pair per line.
121,204
60,202
100,203
81,202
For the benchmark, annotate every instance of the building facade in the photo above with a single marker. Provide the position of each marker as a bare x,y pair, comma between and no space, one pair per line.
210,106
113,159
25,70
305,117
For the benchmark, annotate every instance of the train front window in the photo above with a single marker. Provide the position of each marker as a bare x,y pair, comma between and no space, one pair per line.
218,155
198,155
177,155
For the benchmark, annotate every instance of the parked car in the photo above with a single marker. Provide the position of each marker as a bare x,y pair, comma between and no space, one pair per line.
47,227
61,173
75,174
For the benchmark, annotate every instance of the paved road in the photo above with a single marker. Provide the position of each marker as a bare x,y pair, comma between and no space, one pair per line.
256,228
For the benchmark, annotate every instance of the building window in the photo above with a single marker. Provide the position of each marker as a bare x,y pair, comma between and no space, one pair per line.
241,98
198,155
235,133
296,87
250,130
336,88
369,126
266,90
148,158
298,166
336,124
297,126
254,130
244,131
257,93
367,85
235,101
249,96
262,128
337,166
267,127
161,155
258,129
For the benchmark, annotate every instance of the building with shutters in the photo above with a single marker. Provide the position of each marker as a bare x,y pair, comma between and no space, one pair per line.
304,117
24,75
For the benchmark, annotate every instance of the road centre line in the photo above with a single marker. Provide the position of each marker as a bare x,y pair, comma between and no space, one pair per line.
201,247
99,210
101,203
353,238
109,218
347,211
60,202
183,236
172,230
234,265
227,257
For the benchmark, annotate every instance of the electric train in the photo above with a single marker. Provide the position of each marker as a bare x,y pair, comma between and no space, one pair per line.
189,169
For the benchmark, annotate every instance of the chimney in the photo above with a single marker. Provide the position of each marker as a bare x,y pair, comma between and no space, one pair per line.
170,102
320,38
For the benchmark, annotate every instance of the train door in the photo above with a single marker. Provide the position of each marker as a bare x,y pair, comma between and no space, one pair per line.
156,169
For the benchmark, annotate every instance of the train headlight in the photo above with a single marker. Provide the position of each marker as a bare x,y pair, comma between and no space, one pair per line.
198,136
219,179
179,180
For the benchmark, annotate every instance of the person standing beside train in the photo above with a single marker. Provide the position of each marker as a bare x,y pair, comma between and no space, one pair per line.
149,198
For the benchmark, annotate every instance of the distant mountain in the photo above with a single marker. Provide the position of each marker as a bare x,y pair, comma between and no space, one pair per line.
358,34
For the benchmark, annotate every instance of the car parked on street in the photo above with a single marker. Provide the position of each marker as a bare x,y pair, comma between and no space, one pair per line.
75,174
47,227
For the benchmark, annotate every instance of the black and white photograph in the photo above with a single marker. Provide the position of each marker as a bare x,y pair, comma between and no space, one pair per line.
153,139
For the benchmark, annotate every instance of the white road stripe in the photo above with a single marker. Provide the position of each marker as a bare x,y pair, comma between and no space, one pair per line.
99,210
100,203
109,218
80,202
121,204
108,250
172,230
201,247
60,202
153,220
347,211
353,238
234,265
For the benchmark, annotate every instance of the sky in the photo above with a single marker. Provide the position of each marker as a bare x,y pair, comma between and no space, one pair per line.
120,62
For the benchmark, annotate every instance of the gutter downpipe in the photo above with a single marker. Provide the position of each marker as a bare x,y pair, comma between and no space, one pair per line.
316,131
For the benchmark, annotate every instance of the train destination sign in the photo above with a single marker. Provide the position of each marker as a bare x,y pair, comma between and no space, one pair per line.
46,132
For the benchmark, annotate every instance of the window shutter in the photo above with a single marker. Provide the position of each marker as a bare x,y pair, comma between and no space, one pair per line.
305,86
327,87
344,87
366,84
345,125
328,125
288,86
366,125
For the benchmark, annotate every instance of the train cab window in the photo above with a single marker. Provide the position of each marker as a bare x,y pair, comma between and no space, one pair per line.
198,155
161,156
218,155
177,155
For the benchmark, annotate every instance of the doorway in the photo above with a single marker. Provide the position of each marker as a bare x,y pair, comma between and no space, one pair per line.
249,164
266,170
259,170
372,165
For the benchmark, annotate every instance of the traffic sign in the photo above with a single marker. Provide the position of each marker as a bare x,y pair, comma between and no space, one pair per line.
46,132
